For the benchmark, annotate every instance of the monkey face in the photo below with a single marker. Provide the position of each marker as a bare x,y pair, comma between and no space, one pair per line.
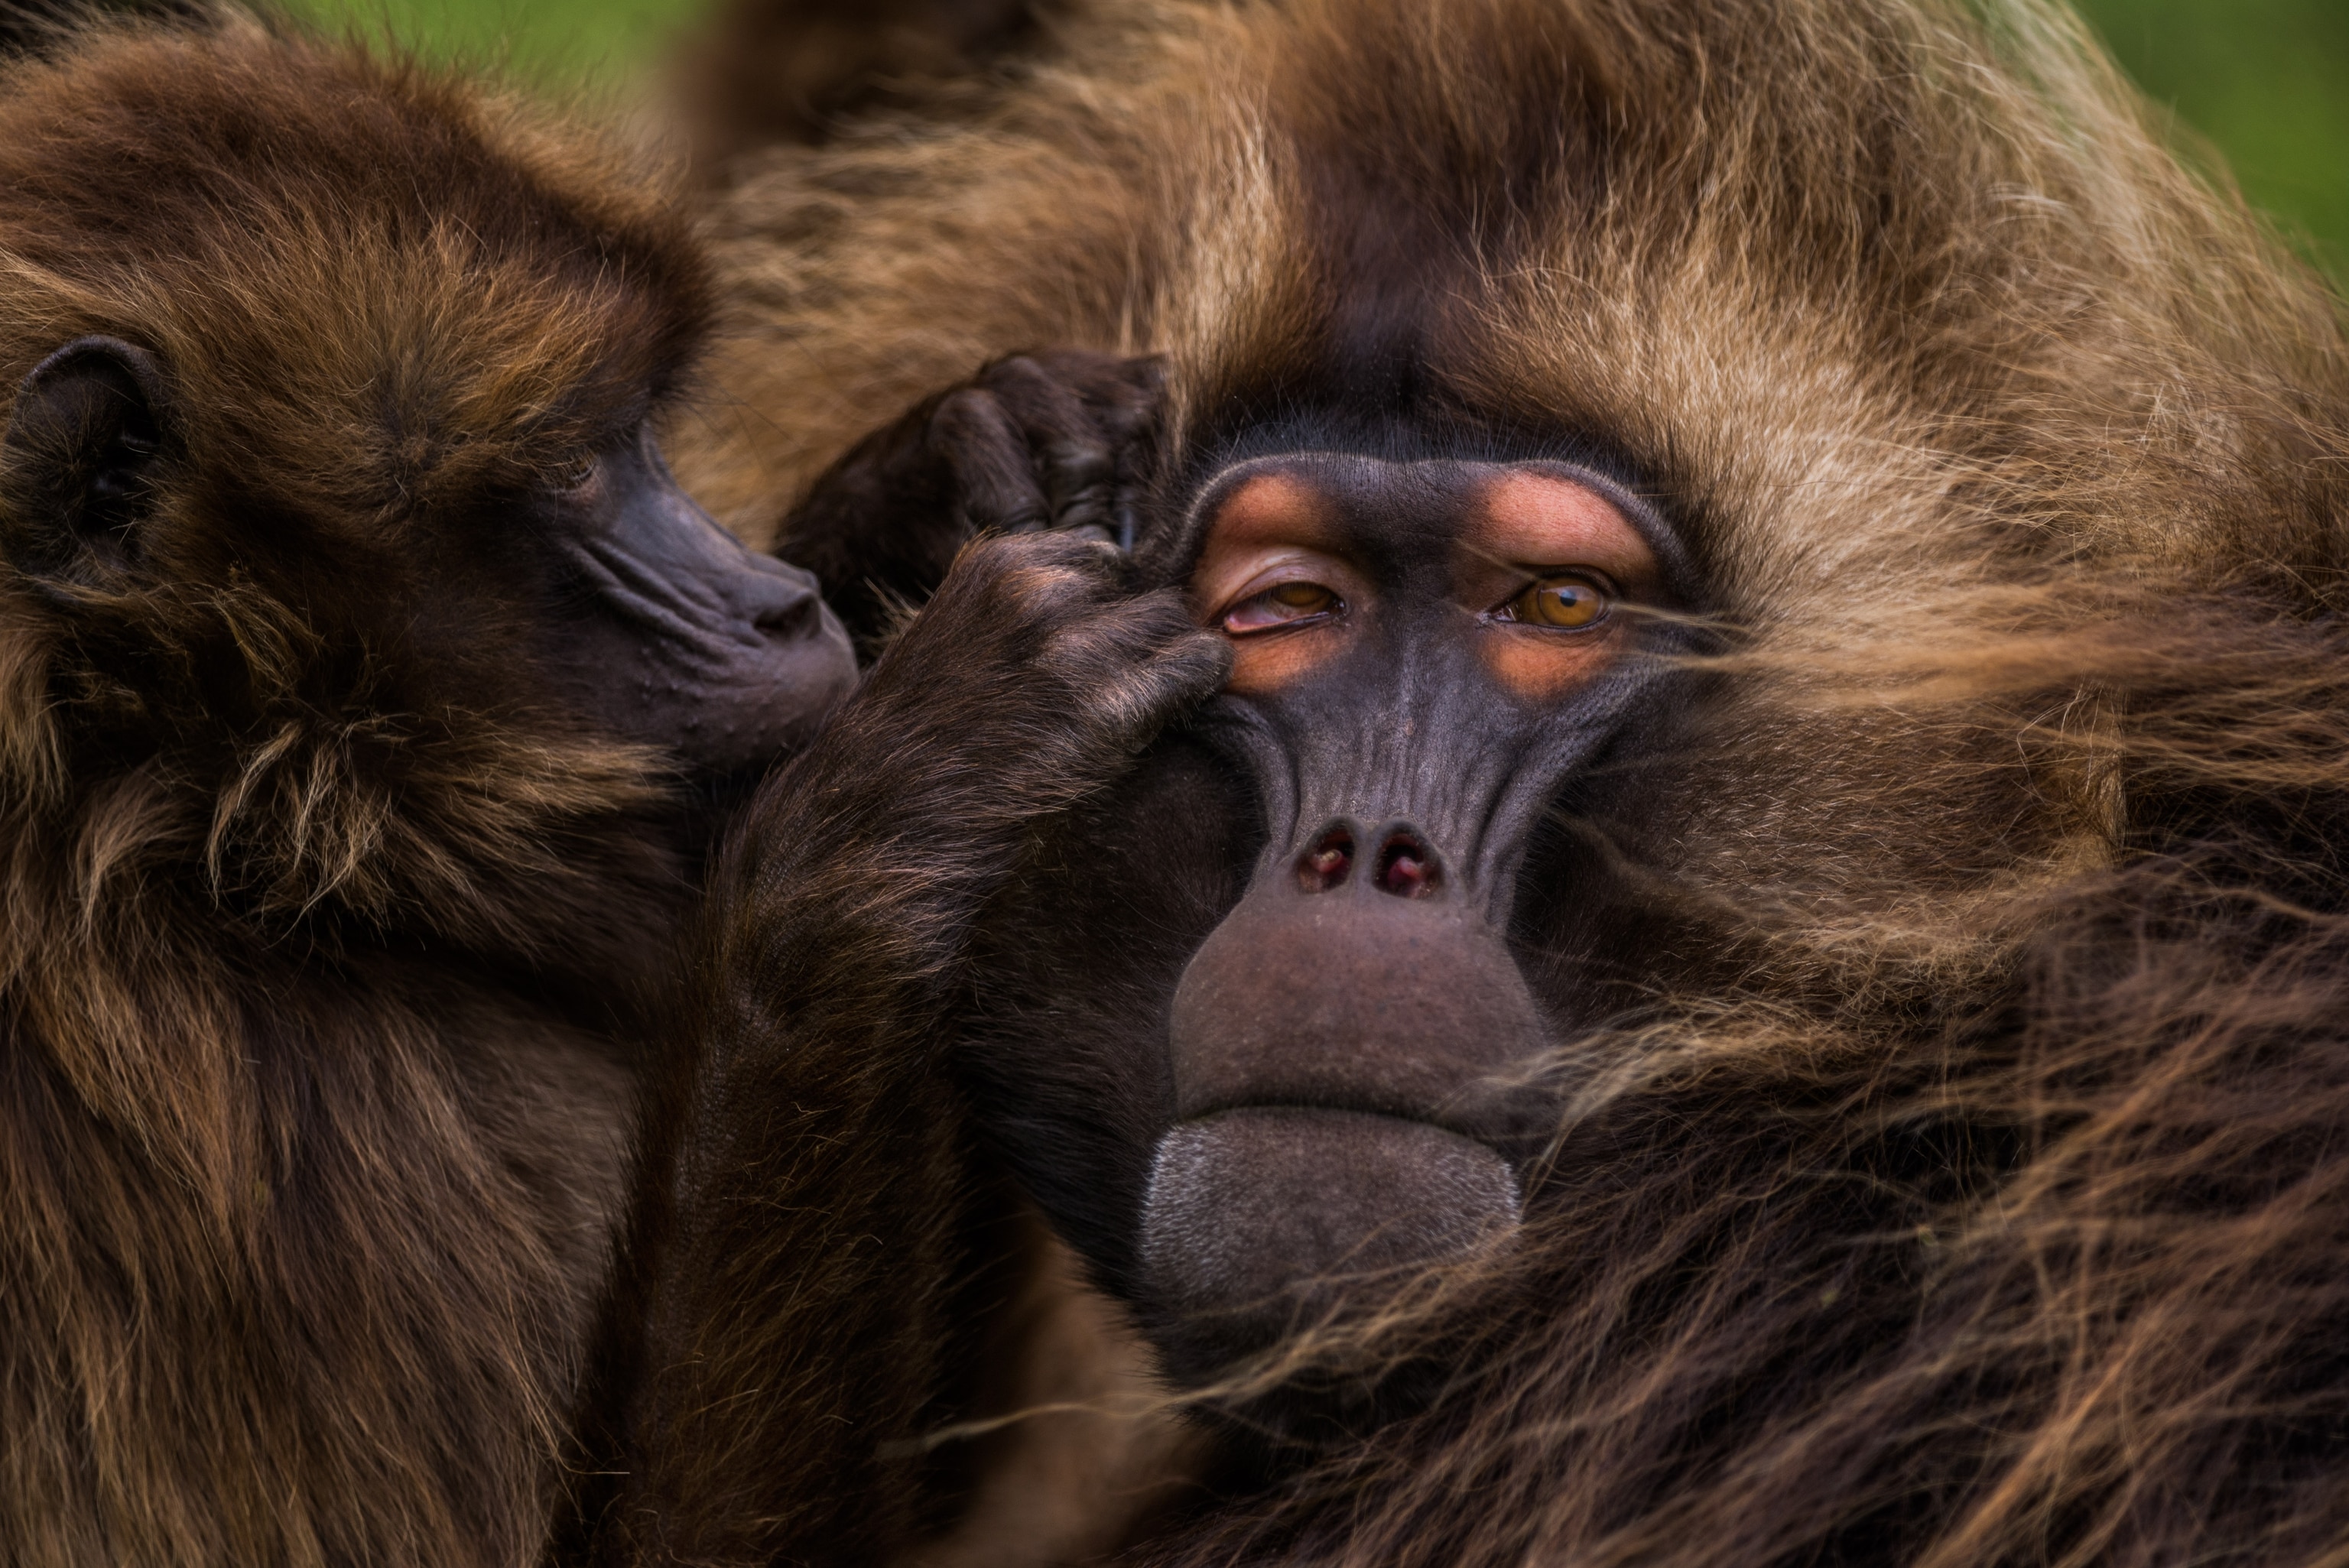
677,635
602,587
1422,653
1349,1068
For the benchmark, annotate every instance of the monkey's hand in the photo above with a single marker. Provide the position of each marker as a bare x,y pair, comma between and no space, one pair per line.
1062,440
1029,680
777,1316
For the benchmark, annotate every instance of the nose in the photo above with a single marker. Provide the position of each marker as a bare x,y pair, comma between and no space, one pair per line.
1341,1046
1405,864
1352,978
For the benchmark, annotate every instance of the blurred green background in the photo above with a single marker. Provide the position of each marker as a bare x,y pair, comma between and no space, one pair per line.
2267,80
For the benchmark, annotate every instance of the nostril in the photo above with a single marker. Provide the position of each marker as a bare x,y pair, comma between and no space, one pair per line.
1407,867
791,614
1327,862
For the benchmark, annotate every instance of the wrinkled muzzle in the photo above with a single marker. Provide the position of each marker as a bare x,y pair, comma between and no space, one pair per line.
1341,1048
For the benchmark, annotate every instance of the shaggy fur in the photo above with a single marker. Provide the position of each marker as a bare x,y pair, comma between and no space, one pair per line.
1962,1174
41,25
326,934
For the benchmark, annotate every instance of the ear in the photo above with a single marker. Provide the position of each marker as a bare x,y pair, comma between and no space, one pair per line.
92,427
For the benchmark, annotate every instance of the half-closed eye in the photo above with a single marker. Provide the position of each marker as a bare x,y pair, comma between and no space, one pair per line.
1279,607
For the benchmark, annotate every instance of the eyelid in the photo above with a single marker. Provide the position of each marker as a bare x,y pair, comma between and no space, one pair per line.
1266,583
577,472
1283,567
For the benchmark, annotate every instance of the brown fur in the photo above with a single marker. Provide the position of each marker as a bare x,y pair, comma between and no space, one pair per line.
1072,1439
1970,1183
325,939
767,71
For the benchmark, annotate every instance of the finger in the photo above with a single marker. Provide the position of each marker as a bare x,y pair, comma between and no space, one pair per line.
1072,452
994,479
1130,400
1052,584
1131,689
1125,630
1123,395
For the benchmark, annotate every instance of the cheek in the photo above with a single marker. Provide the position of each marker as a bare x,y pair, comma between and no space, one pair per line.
1540,668
1267,662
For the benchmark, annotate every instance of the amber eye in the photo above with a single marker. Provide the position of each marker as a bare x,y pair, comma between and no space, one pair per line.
1562,604
1285,604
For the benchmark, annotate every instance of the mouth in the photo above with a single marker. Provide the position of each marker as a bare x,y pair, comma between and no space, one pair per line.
1352,1054
1268,1222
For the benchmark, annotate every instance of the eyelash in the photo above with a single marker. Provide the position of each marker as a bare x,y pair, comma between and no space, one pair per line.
1330,604
574,472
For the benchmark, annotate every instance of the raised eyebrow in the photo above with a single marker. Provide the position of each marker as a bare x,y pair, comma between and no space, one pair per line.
1675,570
1310,503
1216,491
1219,485
1199,518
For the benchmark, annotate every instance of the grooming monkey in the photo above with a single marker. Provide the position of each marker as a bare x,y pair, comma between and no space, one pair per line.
367,689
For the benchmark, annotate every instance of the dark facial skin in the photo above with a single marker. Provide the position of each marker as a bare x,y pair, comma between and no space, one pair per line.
681,638
1316,1067
1263,1027
1422,652
610,589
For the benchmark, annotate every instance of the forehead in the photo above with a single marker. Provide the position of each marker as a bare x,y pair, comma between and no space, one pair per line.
1333,497
405,249
1395,511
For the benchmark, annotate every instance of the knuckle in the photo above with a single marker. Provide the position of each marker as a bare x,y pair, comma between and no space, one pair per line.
1019,377
967,413
1077,369
988,555
1042,588
1018,363
1084,478
996,573
1040,571
1076,554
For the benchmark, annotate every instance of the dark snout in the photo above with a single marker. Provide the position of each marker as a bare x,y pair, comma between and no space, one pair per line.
775,599
1342,1047
731,657
1354,976
786,662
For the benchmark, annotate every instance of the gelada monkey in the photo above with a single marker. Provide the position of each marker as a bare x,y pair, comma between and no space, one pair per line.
1747,967
366,689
